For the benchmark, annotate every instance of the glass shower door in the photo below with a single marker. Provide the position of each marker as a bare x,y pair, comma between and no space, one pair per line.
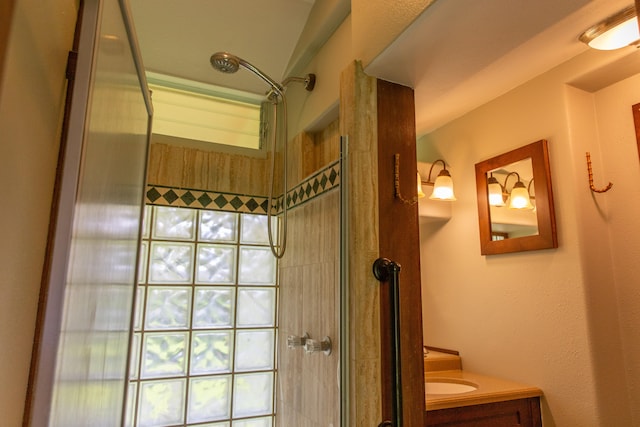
80,371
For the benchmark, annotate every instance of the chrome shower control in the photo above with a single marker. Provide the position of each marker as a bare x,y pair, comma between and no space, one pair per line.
294,341
313,346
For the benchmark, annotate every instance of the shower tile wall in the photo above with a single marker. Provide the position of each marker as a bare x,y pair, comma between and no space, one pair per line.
308,384
308,393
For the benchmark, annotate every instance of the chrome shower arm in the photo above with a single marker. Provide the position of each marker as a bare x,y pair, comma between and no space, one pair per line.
275,85
309,81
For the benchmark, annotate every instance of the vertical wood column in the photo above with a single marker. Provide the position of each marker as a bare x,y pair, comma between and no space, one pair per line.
378,119
358,124
399,241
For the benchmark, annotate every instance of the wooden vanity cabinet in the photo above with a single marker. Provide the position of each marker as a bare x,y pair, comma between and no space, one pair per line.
509,413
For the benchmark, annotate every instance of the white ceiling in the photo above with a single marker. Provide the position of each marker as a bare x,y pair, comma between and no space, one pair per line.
457,55
460,54
177,37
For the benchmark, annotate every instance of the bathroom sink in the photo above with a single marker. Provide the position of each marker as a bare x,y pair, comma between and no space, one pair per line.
449,386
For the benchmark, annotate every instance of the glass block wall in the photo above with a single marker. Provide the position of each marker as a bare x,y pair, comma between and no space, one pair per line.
203,351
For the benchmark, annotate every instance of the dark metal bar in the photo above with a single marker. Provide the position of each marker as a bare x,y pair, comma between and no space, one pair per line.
386,270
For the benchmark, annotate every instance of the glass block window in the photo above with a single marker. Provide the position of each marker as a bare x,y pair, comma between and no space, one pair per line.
204,343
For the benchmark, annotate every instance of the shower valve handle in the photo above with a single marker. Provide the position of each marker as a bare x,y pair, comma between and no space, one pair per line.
313,346
294,341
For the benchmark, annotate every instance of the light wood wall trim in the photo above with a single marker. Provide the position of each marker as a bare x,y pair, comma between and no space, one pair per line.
358,123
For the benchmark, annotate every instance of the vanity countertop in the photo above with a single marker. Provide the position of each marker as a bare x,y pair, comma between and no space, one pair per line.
489,390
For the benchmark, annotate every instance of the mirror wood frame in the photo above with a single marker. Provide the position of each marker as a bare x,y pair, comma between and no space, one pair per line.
547,236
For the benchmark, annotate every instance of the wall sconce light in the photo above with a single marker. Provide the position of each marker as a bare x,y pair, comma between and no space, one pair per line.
420,192
518,197
443,185
496,192
614,32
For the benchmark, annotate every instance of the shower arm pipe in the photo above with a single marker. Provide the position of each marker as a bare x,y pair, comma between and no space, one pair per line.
275,85
309,81
386,270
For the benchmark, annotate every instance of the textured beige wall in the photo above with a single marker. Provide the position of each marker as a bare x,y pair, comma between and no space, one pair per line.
548,318
33,91
312,111
616,214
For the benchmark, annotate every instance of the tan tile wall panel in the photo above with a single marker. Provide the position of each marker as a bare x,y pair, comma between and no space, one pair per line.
185,167
295,161
358,121
308,153
308,384
322,149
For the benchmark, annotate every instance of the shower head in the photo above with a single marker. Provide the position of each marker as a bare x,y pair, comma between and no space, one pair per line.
228,63
225,62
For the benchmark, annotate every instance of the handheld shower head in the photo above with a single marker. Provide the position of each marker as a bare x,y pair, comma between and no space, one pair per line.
228,63
225,62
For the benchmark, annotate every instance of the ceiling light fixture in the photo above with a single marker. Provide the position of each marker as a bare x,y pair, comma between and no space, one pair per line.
614,32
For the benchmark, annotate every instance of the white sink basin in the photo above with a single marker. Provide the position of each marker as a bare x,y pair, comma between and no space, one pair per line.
449,386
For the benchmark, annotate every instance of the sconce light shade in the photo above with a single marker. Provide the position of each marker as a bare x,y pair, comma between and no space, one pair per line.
495,192
519,198
420,192
615,32
443,187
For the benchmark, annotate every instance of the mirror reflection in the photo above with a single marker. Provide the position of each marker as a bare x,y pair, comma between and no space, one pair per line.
512,201
515,201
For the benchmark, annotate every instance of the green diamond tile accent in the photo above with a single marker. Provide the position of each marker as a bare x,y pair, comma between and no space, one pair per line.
252,204
205,200
153,194
332,176
220,201
236,202
188,198
170,196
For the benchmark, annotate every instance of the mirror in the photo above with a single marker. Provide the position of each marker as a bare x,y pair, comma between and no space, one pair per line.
515,201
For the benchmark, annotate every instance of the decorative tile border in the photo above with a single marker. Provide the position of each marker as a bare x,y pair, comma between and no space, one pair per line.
317,184
312,187
199,199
